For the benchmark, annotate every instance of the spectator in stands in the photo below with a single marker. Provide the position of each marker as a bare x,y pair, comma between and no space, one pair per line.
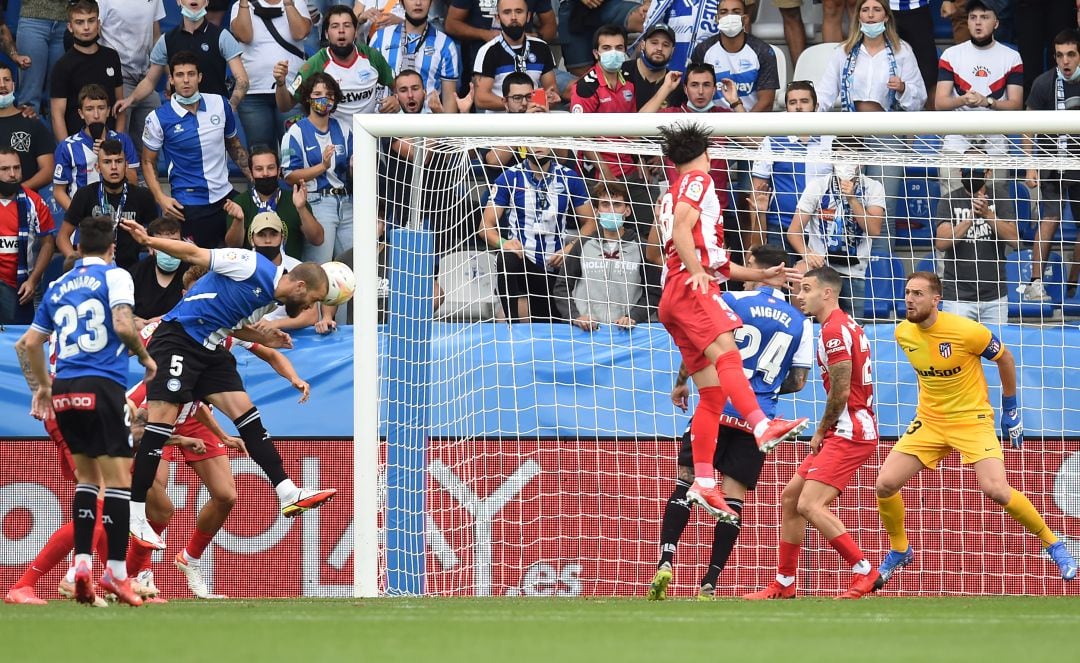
266,195
269,31
7,46
217,53
22,225
191,130
779,183
1058,89
603,278
418,45
578,21
316,153
603,89
473,23
832,19
975,233
1037,22
794,28
979,75
360,71
512,50
130,29
86,63
517,97
23,132
538,197
874,70
648,70
690,28
915,26
956,12
377,17
77,156
40,37
741,57
834,223
159,276
114,196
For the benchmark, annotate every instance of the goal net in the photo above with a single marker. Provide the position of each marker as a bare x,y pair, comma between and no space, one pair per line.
515,434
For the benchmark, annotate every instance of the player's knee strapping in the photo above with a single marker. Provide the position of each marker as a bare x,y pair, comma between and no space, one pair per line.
259,445
84,516
146,461
116,517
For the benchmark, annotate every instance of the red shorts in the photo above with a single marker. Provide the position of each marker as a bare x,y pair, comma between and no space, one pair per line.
837,461
63,453
175,453
695,320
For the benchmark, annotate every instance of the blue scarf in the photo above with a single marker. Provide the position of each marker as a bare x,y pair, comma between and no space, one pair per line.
842,235
849,78
29,227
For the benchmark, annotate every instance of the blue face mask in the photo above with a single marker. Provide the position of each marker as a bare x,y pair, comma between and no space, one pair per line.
612,60
6,100
708,107
166,262
1071,79
193,16
610,220
187,101
872,29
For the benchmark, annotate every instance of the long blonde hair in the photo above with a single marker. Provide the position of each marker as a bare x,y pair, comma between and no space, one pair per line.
891,35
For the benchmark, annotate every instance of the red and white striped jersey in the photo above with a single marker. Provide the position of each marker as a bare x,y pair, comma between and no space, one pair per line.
842,339
696,189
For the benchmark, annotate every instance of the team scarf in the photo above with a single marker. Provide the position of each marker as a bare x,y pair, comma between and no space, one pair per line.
848,80
29,227
842,235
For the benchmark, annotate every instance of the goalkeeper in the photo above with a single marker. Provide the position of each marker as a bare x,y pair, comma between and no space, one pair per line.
954,412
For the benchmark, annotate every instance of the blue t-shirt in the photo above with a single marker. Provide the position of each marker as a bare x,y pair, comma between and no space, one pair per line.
78,307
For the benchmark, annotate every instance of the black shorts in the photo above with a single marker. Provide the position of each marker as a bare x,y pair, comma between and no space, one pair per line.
1056,188
187,371
90,415
737,455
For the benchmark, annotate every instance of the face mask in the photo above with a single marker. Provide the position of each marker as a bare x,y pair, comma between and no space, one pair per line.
321,105
610,220
705,109
652,66
872,29
270,253
983,43
192,15
85,43
513,32
845,171
730,25
166,262
266,185
6,100
416,22
9,189
1071,79
96,130
541,161
972,180
187,101
342,51
612,60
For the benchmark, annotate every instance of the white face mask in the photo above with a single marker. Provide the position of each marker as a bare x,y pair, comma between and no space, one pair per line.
730,25
845,171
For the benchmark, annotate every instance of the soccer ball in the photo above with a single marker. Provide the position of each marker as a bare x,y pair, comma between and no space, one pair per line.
342,283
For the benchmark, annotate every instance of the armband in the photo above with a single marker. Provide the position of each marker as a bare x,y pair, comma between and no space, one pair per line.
993,348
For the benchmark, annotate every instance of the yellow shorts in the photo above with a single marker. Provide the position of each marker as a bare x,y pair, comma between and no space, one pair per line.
930,441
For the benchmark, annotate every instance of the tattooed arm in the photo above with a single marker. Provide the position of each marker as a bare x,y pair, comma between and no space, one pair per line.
31,353
795,380
239,155
835,402
236,66
124,324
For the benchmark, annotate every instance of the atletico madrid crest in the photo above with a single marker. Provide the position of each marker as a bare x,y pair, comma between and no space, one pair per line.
945,349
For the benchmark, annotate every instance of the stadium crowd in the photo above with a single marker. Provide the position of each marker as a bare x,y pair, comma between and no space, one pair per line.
233,128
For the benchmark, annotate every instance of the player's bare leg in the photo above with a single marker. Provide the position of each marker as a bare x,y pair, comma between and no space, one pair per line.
160,420
294,500
895,472
792,534
990,473
216,475
813,505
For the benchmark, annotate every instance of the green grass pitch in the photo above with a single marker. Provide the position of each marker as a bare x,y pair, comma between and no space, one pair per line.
438,630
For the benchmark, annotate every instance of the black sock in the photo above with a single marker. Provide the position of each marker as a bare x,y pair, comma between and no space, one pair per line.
676,515
146,461
84,517
260,447
116,519
723,542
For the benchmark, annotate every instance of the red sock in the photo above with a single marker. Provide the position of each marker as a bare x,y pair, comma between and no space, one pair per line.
789,558
138,557
730,369
56,549
704,428
847,548
197,544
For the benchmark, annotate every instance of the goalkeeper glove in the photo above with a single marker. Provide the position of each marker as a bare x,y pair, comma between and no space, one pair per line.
1011,427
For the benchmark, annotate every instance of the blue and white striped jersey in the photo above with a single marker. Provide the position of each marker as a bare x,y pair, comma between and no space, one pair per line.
194,147
775,337
302,147
907,5
537,205
432,53
78,307
238,288
76,160
788,178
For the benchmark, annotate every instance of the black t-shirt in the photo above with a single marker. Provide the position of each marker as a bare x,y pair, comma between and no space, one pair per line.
482,16
74,70
139,207
29,138
644,91
151,300
975,264
1044,96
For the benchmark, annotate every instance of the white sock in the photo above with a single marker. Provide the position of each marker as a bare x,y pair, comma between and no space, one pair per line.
191,558
759,430
70,575
137,510
79,559
706,482
118,567
862,568
786,581
285,490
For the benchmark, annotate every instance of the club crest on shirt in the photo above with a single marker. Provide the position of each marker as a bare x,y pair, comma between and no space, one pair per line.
109,71
945,349
205,47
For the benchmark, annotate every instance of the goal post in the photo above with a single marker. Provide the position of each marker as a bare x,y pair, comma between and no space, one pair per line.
411,440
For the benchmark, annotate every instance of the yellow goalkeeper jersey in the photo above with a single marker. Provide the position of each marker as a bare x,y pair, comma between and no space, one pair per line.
947,360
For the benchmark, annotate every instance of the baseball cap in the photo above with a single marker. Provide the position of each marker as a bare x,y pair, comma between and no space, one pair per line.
660,27
980,4
264,220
